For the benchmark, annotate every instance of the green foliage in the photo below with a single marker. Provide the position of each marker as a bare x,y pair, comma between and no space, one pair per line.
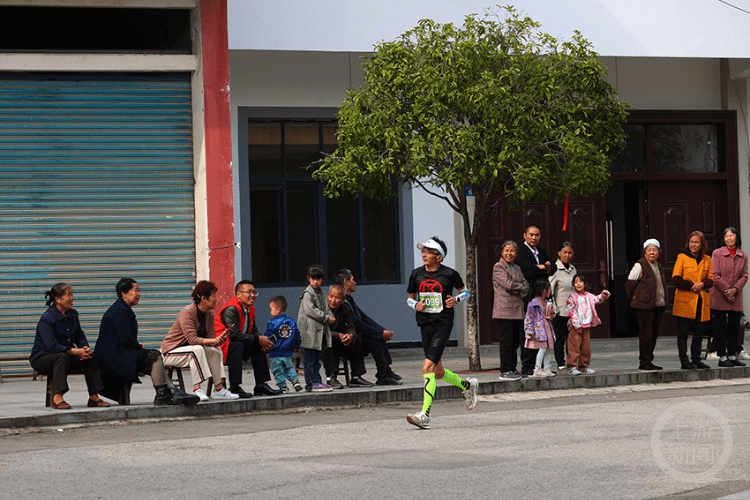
494,104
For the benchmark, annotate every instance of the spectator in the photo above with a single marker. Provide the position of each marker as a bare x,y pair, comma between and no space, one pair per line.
535,265
283,332
647,292
374,337
581,318
345,342
729,265
189,343
124,359
313,321
692,279
538,328
60,347
510,289
561,284
245,342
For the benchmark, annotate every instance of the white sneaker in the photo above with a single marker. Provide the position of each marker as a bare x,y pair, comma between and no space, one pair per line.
574,371
548,372
201,394
471,393
538,372
224,394
588,371
713,356
743,355
419,419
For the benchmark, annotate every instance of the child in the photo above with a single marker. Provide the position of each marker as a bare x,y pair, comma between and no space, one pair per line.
283,332
313,320
582,316
539,332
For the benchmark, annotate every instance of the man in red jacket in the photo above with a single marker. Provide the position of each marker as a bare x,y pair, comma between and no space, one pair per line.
245,342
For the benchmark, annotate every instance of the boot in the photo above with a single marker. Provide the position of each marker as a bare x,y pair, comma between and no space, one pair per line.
182,398
163,396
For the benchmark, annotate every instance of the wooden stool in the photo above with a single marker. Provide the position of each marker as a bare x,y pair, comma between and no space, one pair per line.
181,382
345,362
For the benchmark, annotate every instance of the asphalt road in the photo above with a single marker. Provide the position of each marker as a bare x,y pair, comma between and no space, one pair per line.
683,441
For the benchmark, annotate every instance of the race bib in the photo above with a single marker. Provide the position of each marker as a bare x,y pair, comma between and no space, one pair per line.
433,302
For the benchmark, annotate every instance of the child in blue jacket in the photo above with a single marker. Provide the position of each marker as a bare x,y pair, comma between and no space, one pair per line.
283,332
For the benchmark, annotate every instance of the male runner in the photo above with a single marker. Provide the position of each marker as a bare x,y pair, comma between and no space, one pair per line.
429,290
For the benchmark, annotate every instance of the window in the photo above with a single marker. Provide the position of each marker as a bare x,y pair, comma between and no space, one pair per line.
292,225
671,148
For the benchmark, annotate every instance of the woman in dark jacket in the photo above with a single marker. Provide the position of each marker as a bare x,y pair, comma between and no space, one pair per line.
122,357
60,347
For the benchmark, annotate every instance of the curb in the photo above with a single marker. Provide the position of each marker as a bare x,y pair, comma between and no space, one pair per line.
358,397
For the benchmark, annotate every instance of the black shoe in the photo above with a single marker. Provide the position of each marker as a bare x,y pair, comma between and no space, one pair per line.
688,366
265,390
528,373
726,364
183,398
359,382
394,375
649,367
334,382
701,365
388,381
737,362
163,396
236,389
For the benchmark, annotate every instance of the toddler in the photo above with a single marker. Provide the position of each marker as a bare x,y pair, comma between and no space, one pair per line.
538,328
283,332
313,320
582,316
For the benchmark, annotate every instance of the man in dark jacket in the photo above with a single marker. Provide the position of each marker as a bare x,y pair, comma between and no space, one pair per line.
345,343
245,342
374,337
535,264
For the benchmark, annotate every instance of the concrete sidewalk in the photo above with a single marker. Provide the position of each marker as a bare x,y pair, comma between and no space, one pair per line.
615,362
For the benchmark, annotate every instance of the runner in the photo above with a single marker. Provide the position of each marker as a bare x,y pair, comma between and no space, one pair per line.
432,284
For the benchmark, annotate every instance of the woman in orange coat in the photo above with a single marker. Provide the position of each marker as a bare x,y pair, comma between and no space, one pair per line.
692,278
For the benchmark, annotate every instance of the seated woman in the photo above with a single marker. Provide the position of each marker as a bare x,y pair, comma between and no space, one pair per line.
189,343
119,353
60,347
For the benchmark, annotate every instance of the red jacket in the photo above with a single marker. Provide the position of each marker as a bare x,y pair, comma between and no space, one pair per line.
220,327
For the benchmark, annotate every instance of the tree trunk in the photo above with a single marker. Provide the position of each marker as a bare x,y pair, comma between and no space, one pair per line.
472,312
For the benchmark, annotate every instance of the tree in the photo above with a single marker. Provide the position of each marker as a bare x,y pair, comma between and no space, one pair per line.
494,106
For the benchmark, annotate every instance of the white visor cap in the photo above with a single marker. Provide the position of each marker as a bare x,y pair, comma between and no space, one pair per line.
433,245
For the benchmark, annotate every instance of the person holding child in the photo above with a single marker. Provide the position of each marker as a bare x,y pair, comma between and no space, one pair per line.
313,321
581,318
283,332
538,328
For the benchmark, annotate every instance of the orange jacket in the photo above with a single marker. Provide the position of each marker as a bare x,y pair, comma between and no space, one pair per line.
687,271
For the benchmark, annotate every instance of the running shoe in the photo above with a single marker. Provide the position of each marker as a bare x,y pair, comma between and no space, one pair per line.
471,393
574,371
712,356
743,355
510,376
419,419
297,386
548,372
321,388
588,371
224,394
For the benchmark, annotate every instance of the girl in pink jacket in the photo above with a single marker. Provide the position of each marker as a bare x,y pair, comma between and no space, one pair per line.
582,316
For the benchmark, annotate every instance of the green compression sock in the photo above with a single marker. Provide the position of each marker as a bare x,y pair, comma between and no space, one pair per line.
454,379
429,392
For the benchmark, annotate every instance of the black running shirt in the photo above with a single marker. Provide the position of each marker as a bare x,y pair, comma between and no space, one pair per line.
434,287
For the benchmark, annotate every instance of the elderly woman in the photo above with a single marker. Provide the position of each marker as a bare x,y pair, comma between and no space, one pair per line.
647,290
60,347
510,289
561,284
120,354
191,342
729,265
692,279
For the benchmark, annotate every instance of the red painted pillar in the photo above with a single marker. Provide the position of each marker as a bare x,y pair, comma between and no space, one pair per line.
218,122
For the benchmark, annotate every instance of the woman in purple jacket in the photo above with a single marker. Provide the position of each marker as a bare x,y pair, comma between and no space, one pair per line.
729,265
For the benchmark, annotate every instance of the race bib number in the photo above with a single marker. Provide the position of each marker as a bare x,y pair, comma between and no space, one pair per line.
433,302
